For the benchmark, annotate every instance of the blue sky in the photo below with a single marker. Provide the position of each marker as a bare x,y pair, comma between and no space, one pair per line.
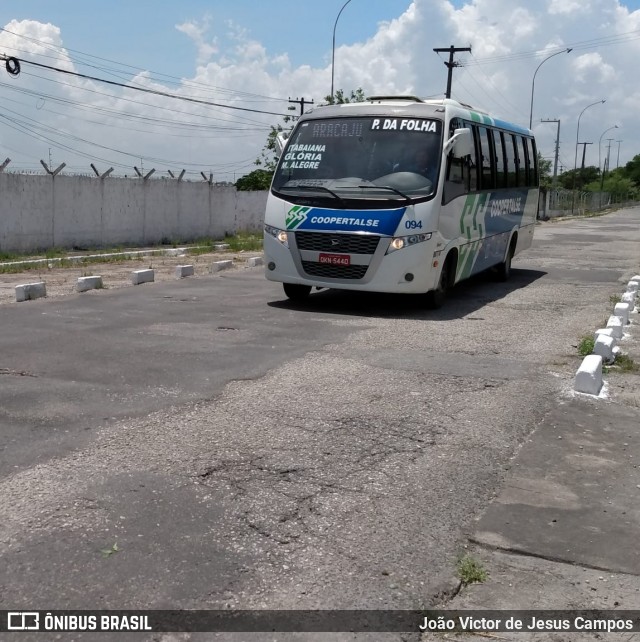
143,33
237,53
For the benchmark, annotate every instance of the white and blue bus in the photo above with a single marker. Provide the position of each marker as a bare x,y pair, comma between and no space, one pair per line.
399,194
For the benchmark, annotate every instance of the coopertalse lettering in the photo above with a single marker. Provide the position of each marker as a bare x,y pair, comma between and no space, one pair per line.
340,220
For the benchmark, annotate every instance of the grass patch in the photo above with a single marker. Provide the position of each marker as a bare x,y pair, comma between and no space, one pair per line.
471,571
585,346
244,241
615,298
624,363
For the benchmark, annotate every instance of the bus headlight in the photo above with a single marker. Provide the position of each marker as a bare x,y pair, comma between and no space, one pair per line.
400,242
279,235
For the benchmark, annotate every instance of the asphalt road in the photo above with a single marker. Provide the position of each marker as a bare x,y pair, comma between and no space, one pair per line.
206,444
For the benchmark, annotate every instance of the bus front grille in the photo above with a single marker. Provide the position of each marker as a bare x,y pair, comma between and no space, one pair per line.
326,271
342,243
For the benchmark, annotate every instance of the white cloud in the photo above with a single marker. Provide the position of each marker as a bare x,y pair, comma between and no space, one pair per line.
591,68
398,58
567,7
196,31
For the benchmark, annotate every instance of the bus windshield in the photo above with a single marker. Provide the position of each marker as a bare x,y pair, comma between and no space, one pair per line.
355,158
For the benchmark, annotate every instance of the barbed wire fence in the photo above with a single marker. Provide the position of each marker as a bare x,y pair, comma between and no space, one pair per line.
138,173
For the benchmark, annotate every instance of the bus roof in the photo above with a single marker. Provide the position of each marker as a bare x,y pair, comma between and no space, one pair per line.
414,106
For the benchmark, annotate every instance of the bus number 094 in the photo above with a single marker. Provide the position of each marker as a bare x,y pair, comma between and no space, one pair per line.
413,225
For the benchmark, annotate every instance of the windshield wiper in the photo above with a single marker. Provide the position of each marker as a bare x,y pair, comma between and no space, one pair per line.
391,189
316,188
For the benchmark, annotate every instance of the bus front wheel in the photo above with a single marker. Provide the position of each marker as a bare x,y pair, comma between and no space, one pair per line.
296,292
503,270
435,298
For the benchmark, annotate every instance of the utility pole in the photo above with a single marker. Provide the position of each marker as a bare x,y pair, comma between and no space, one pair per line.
302,102
584,150
557,154
451,64
609,153
618,161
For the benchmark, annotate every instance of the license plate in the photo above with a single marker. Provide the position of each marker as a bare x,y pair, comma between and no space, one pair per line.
335,259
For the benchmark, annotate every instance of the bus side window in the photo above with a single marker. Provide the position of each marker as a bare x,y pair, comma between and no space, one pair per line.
510,157
523,174
485,154
533,162
501,170
473,159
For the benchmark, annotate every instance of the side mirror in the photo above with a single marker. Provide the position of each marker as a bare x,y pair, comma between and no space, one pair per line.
280,142
462,142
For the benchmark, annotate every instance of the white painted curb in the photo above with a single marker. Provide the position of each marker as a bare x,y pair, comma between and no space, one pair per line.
142,276
255,261
630,298
221,246
88,283
633,286
622,310
615,323
184,270
604,346
29,291
589,375
607,332
218,266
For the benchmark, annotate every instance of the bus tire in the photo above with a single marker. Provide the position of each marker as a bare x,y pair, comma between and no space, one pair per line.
435,298
296,292
503,270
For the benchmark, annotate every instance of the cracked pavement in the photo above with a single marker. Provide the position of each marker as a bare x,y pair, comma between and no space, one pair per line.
331,455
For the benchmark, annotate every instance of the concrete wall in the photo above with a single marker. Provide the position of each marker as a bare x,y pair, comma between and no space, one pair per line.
39,212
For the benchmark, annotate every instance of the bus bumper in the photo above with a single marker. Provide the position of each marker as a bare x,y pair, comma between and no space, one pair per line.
410,270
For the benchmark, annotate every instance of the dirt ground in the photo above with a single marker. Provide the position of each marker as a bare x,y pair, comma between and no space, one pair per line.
62,281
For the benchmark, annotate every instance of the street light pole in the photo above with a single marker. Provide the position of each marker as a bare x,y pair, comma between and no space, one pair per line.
333,45
575,162
533,83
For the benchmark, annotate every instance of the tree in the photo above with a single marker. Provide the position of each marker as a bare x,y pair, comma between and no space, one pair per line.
356,96
257,180
582,177
632,170
544,169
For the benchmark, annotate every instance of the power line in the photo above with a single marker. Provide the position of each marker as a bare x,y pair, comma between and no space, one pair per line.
581,44
180,81
120,98
141,89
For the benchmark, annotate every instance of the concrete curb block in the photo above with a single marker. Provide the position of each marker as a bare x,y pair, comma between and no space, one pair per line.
607,332
221,246
604,346
218,266
142,276
630,299
615,323
176,251
589,375
29,291
89,283
184,270
255,261
621,310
